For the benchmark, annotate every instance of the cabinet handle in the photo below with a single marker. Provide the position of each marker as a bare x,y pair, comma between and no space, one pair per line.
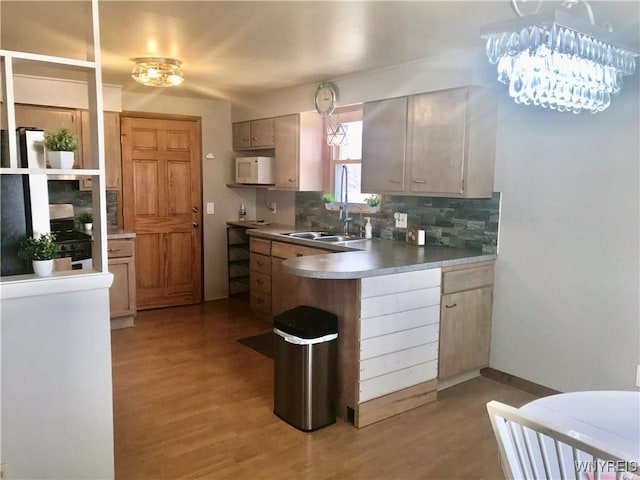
259,262
113,249
395,181
291,179
451,306
260,300
246,139
299,255
259,281
255,138
419,181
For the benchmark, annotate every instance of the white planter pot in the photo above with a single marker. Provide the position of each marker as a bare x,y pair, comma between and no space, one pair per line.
61,159
88,226
42,268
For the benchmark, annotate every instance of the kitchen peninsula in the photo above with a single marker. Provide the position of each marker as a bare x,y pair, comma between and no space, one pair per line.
388,297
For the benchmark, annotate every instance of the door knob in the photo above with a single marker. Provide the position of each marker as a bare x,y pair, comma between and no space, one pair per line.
196,224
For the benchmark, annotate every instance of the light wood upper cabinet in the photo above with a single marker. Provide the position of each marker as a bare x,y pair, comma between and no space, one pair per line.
448,138
112,152
50,119
254,134
298,150
383,146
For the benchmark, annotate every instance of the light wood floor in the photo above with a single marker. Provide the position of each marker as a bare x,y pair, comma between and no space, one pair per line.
191,402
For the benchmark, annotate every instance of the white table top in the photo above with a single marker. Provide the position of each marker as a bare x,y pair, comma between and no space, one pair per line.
609,418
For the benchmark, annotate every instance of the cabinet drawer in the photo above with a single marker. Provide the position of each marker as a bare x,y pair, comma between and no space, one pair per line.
119,248
291,250
260,282
260,246
467,278
260,302
261,263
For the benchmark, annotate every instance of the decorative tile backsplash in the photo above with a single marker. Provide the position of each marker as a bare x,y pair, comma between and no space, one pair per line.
66,191
451,222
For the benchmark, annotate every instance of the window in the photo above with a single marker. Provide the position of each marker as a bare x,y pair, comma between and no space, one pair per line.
346,160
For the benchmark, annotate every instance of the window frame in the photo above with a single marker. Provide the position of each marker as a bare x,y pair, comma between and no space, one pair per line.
351,113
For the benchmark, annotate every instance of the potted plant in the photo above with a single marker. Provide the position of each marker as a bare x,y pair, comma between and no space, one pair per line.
60,146
374,202
87,221
328,200
41,251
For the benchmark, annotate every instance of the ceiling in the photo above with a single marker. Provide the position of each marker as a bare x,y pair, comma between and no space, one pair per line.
237,48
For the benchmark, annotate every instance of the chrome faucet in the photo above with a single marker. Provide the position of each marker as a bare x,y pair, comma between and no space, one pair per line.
344,199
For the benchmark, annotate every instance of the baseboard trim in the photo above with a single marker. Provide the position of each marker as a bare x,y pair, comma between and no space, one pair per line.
394,403
517,382
122,322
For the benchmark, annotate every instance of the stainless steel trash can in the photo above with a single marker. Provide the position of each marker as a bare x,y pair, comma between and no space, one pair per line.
305,359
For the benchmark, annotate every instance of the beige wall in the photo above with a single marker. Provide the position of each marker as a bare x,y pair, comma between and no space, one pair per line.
567,277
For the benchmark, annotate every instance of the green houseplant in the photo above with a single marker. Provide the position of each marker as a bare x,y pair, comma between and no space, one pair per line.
373,201
61,145
87,220
328,200
41,251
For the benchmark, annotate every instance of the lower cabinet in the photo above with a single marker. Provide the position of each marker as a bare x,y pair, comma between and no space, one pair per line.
465,319
272,290
260,275
122,294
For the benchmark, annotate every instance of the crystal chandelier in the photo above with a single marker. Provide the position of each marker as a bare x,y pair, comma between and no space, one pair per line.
337,134
559,61
157,72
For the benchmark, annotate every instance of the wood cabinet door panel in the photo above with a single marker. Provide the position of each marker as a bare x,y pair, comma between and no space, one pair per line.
122,291
287,137
112,152
465,331
262,133
437,141
384,132
284,288
261,263
292,250
241,135
259,245
50,119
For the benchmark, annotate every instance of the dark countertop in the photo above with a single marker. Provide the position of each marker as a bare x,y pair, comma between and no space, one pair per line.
366,258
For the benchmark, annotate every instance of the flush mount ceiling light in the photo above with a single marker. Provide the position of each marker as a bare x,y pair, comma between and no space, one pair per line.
157,72
558,61
337,134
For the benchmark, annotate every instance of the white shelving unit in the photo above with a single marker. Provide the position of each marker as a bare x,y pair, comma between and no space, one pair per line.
63,68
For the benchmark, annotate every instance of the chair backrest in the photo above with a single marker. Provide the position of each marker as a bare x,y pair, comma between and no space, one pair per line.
533,450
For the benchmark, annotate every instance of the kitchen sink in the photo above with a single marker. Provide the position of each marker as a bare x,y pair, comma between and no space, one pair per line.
323,236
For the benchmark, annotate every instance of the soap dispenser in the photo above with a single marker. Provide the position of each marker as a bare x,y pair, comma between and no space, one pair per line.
368,229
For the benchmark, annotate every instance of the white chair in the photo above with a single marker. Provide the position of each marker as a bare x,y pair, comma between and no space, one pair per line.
533,450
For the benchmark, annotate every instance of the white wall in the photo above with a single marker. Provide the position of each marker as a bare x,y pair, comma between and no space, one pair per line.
216,173
57,413
566,312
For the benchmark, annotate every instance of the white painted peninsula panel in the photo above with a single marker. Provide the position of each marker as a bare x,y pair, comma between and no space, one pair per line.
399,331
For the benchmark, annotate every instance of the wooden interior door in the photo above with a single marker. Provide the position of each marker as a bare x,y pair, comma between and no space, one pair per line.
162,204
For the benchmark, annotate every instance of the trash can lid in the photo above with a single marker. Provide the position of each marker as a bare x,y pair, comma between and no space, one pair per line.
306,322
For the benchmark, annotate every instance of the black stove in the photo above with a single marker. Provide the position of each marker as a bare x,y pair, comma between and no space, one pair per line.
70,242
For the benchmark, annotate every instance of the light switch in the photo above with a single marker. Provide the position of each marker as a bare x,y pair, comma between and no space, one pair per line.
210,208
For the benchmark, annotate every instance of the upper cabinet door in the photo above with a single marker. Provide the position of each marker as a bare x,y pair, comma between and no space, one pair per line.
241,135
112,152
383,145
437,141
50,119
262,133
287,135
253,135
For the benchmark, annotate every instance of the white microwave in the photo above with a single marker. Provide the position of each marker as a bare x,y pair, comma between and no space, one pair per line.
255,170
